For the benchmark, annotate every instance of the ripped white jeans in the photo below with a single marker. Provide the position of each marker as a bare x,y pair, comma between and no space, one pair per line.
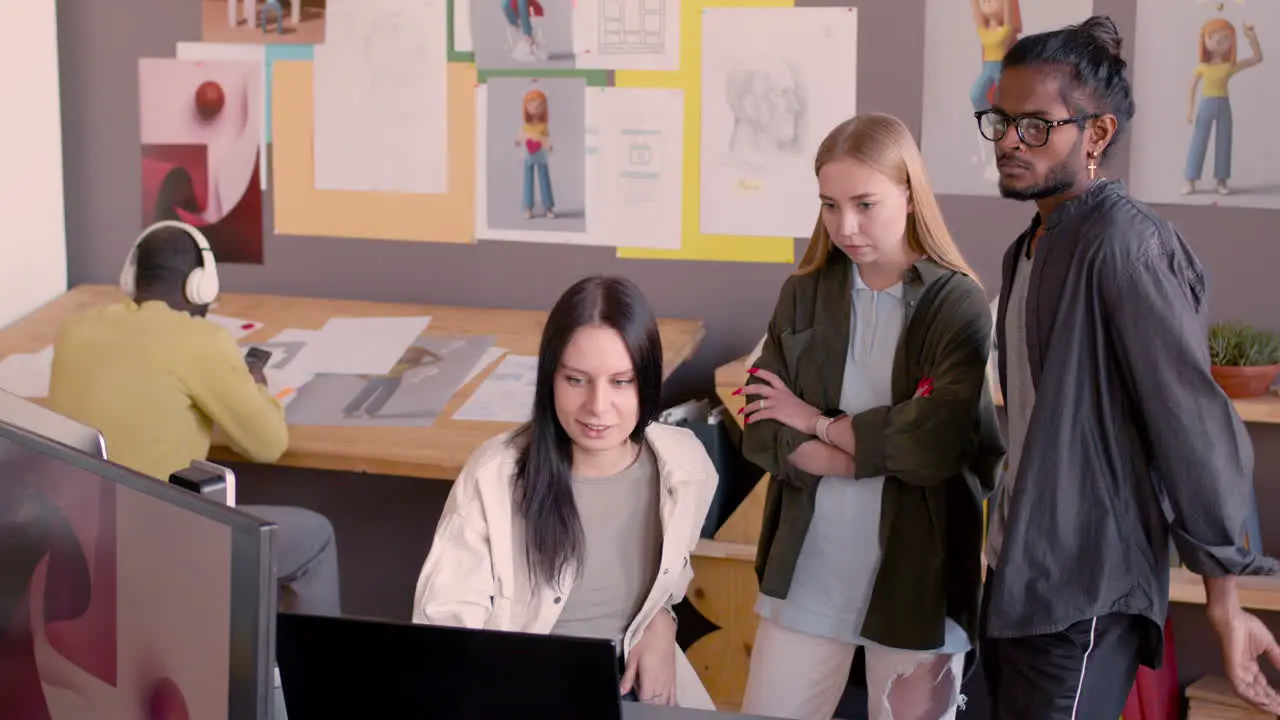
801,677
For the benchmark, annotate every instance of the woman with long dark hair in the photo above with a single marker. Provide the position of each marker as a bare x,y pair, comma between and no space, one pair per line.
581,521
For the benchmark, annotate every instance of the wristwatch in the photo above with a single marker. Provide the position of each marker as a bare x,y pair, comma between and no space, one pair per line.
824,423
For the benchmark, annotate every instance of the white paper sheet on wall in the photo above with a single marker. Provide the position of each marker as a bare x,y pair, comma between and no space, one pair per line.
27,374
359,345
380,97
506,395
627,34
462,26
242,52
636,195
775,81
634,176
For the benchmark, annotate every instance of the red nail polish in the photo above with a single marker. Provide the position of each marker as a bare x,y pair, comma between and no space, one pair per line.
738,391
752,371
740,410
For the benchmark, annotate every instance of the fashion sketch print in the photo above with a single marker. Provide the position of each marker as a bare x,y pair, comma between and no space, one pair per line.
522,34
965,45
1206,133
768,96
535,142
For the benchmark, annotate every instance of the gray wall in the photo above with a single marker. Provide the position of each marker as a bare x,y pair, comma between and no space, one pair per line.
100,43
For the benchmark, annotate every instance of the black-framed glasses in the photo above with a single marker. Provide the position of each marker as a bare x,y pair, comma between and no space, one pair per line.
1033,131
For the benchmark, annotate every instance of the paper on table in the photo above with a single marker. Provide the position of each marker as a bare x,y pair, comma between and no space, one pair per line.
27,374
359,345
380,97
285,383
462,26
237,327
757,178
483,363
636,193
506,395
627,34
236,51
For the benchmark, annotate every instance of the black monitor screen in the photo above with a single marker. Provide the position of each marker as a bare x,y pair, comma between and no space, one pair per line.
123,597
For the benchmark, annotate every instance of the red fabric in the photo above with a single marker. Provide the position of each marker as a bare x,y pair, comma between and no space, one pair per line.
1155,694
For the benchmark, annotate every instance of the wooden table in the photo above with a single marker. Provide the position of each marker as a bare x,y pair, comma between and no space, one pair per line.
438,451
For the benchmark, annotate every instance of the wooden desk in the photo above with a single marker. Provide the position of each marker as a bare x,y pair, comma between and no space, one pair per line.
438,451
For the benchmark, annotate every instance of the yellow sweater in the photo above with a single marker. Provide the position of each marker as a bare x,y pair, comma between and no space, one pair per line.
154,381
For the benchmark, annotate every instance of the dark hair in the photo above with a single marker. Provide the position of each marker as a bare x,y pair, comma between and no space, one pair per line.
165,257
1090,52
543,482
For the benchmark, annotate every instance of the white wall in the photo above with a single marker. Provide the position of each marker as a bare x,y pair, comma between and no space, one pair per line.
33,237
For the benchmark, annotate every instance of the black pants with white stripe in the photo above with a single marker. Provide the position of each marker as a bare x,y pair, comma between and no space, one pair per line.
1083,672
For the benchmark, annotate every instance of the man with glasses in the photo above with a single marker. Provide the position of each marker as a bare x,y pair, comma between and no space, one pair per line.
1118,436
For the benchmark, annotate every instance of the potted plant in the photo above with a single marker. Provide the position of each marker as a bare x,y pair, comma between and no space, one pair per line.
1244,360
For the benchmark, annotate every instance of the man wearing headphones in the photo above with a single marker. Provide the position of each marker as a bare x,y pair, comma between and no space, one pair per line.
154,378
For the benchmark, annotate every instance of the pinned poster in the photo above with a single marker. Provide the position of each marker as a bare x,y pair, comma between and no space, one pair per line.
964,44
295,22
694,244
627,34
381,122
770,93
1205,132
200,125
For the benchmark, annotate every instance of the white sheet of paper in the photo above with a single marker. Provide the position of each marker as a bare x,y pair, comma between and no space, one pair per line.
236,326
359,345
483,363
636,180
775,81
27,374
295,335
286,382
626,34
380,97
245,52
506,395
462,26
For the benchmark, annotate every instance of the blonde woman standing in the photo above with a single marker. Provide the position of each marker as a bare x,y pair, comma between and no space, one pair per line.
868,407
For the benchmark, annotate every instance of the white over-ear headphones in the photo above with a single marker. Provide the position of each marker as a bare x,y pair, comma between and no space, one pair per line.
202,284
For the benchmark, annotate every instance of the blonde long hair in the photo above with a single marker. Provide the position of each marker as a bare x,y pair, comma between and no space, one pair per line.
882,142
1212,26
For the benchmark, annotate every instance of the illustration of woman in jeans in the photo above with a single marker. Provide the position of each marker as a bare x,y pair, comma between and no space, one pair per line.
998,23
1216,68
535,141
519,14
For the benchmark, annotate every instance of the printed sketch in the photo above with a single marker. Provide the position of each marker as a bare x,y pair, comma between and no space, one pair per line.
412,394
632,26
775,80
264,21
998,23
1204,133
1217,65
524,29
535,141
766,100
522,34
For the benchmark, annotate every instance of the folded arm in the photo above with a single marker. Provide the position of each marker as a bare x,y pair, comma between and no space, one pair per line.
930,438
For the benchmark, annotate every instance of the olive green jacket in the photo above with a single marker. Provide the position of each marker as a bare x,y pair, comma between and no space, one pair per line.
939,454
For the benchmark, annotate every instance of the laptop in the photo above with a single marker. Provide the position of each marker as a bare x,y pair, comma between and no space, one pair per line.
355,667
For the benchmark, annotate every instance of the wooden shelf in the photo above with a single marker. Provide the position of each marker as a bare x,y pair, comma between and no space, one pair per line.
1256,592
1263,410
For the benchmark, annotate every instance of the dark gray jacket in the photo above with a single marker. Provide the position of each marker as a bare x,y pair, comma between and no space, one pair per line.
1131,440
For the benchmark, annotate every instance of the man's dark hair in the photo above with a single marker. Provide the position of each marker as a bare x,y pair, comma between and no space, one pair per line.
165,257
1089,54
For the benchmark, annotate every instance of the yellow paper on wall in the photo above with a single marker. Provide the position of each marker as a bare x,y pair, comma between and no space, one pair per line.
301,209
695,245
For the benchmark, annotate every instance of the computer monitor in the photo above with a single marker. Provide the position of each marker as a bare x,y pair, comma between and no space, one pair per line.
123,598
354,667
40,420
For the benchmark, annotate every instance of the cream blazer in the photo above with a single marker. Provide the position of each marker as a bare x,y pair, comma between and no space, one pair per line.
470,576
